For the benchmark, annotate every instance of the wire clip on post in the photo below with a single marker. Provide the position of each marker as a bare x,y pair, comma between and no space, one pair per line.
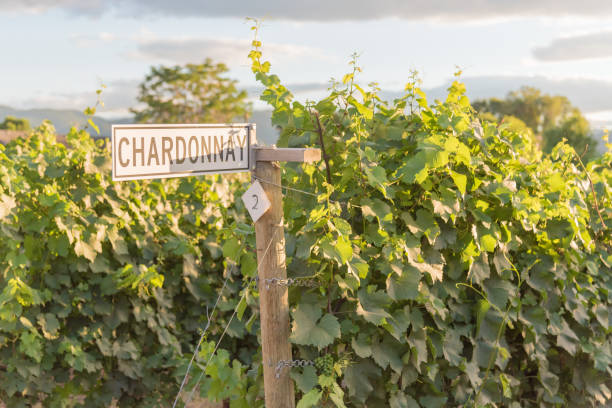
291,363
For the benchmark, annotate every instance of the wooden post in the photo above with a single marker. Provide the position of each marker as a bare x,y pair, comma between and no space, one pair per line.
274,302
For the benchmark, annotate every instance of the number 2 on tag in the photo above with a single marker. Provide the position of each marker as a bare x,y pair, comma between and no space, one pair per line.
256,200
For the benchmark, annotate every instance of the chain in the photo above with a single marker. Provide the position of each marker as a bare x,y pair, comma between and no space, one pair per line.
306,282
297,190
291,363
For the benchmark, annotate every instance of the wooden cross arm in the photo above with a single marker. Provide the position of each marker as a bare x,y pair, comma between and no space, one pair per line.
287,154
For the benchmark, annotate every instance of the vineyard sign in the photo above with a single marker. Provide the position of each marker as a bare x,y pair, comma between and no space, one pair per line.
160,151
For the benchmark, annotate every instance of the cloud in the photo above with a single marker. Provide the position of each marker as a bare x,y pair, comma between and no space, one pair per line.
325,10
89,40
227,50
89,7
577,47
118,96
121,95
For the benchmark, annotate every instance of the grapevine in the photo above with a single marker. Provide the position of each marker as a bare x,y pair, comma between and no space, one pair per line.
458,265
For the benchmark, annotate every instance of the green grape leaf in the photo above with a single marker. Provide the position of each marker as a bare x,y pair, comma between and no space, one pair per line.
401,400
337,396
344,249
310,329
362,109
359,379
452,348
418,342
460,181
361,345
377,178
567,339
414,169
388,353
94,126
310,399
31,345
377,208
373,306
49,324
433,402
231,249
242,305
405,286
305,380
534,317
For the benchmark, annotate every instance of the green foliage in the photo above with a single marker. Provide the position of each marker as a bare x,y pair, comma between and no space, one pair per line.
551,119
310,329
194,93
103,286
468,269
13,123
575,130
460,266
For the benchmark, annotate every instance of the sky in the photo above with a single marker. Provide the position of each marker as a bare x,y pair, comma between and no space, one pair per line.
56,53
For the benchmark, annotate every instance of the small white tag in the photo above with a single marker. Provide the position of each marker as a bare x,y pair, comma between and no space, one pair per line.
256,200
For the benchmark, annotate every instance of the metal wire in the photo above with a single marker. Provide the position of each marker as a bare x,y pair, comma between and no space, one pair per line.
297,190
251,279
208,320
306,282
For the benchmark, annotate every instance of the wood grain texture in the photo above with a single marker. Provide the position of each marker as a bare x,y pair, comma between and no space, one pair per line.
273,302
282,154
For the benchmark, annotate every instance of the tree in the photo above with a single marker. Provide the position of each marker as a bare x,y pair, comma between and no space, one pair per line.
13,123
190,94
550,117
577,132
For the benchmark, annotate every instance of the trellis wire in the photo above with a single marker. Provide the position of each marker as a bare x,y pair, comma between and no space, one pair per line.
229,322
208,319
278,281
297,190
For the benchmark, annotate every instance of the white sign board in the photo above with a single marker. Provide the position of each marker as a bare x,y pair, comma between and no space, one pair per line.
256,200
161,151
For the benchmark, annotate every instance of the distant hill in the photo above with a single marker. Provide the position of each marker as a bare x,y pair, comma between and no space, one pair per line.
7,135
64,119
